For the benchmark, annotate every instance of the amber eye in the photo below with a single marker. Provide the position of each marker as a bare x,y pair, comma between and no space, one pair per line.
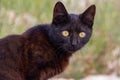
65,33
82,34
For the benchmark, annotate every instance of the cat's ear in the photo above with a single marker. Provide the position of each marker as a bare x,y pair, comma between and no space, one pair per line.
88,15
60,14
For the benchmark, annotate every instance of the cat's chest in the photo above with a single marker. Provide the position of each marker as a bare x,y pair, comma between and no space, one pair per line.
53,68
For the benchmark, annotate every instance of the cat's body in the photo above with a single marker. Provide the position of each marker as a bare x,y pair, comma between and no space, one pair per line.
44,51
22,64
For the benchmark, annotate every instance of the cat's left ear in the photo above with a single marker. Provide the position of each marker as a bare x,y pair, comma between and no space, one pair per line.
60,14
88,15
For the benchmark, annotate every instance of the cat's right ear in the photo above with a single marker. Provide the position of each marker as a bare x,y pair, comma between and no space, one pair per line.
60,14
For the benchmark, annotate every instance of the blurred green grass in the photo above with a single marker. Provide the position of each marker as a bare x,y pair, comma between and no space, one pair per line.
16,16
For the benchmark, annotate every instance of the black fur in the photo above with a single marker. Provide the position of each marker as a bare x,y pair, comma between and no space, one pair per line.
42,51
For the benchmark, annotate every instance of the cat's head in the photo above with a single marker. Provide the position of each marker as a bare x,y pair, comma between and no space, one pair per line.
71,32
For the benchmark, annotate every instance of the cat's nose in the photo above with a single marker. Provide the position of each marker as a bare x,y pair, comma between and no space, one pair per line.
74,43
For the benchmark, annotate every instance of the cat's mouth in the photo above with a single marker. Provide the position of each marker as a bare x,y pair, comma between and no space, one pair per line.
71,49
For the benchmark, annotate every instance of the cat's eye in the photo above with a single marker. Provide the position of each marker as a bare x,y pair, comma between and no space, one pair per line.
82,34
65,33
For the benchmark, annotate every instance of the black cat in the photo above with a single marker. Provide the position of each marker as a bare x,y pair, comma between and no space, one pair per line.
44,50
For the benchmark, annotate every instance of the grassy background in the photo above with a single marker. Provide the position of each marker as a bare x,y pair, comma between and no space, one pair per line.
99,56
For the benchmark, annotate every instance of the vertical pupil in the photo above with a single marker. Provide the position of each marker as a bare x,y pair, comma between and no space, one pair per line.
66,33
